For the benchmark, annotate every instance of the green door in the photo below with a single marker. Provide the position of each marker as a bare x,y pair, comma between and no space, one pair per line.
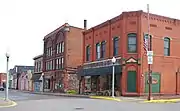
155,84
131,81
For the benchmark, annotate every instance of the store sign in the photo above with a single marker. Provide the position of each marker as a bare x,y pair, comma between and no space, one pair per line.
154,81
102,63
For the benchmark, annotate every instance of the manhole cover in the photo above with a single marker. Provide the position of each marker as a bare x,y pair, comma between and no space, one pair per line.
78,108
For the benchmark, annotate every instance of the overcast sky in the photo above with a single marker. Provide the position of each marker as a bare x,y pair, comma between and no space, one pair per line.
24,23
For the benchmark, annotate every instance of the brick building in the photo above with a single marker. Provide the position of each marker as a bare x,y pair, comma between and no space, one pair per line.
2,79
123,38
37,77
62,55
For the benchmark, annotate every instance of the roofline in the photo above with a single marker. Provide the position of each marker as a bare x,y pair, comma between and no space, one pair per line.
54,31
38,56
120,17
59,28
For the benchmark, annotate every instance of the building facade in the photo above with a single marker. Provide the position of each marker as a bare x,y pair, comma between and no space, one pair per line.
62,55
19,70
2,79
123,38
37,76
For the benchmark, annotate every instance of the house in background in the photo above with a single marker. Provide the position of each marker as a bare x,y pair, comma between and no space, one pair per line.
62,54
18,71
124,37
2,79
25,81
37,77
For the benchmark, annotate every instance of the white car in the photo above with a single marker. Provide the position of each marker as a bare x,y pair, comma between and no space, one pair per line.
1,88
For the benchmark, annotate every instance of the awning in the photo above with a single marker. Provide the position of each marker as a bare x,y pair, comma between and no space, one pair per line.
100,71
36,77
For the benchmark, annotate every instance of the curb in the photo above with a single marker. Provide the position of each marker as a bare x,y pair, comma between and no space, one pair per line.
78,96
63,95
105,98
163,101
9,103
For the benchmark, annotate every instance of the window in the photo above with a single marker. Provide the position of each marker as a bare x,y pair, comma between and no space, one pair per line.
98,51
62,43
103,48
60,48
57,63
57,48
166,46
115,46
62,62
50,65
88,53
51,51
132,43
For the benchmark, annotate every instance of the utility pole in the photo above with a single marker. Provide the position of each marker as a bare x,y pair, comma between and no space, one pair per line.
150,58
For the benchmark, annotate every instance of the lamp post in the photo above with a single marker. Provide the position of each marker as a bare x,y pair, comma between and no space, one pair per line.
43,82
113,62
7,77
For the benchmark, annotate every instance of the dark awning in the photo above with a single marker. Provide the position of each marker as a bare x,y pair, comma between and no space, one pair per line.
36,77
100,71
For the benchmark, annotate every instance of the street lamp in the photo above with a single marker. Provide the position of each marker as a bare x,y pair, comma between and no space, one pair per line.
113,61
7,77
43,81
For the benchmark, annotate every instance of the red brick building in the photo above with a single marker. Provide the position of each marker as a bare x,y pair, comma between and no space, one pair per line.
62,55
2,78
123,38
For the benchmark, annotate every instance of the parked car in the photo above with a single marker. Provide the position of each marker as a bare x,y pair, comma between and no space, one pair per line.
1,88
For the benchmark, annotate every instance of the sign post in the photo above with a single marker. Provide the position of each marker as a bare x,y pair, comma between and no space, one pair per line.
150,57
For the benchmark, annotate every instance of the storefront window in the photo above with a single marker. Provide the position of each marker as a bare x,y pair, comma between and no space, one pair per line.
88,83
47,84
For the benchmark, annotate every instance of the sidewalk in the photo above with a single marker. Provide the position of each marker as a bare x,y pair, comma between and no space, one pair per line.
74,95
156,99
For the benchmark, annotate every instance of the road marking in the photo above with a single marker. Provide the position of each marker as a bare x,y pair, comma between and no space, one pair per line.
105,98
9,104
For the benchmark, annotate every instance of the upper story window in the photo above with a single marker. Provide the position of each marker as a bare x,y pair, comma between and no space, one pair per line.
98,51
49,51
60,47
132,43
167,46
103,49
88,48
62,62
115,46
62,44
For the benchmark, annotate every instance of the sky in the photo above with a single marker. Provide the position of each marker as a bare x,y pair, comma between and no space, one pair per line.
24,23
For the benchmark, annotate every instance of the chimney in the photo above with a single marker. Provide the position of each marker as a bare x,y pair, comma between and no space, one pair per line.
85,24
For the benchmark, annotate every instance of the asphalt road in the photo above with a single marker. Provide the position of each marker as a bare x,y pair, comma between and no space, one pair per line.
30,102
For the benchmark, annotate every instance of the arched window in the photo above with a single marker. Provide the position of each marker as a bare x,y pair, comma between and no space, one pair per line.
98,51
103,49
115,46
167,46
88,53
132,43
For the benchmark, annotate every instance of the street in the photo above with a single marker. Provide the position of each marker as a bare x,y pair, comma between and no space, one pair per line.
35,102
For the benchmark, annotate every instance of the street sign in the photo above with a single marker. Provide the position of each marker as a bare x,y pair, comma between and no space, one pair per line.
150,57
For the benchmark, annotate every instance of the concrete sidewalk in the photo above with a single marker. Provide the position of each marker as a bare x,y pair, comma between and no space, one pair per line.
156,99
8,103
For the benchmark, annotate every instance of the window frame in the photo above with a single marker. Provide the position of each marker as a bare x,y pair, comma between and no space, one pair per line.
103,49
131,35
88,52
115,47
167,39
98,54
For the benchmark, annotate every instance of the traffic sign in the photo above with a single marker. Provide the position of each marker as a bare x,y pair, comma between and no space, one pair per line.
150,57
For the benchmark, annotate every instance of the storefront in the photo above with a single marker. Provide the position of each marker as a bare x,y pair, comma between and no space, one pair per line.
97,77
